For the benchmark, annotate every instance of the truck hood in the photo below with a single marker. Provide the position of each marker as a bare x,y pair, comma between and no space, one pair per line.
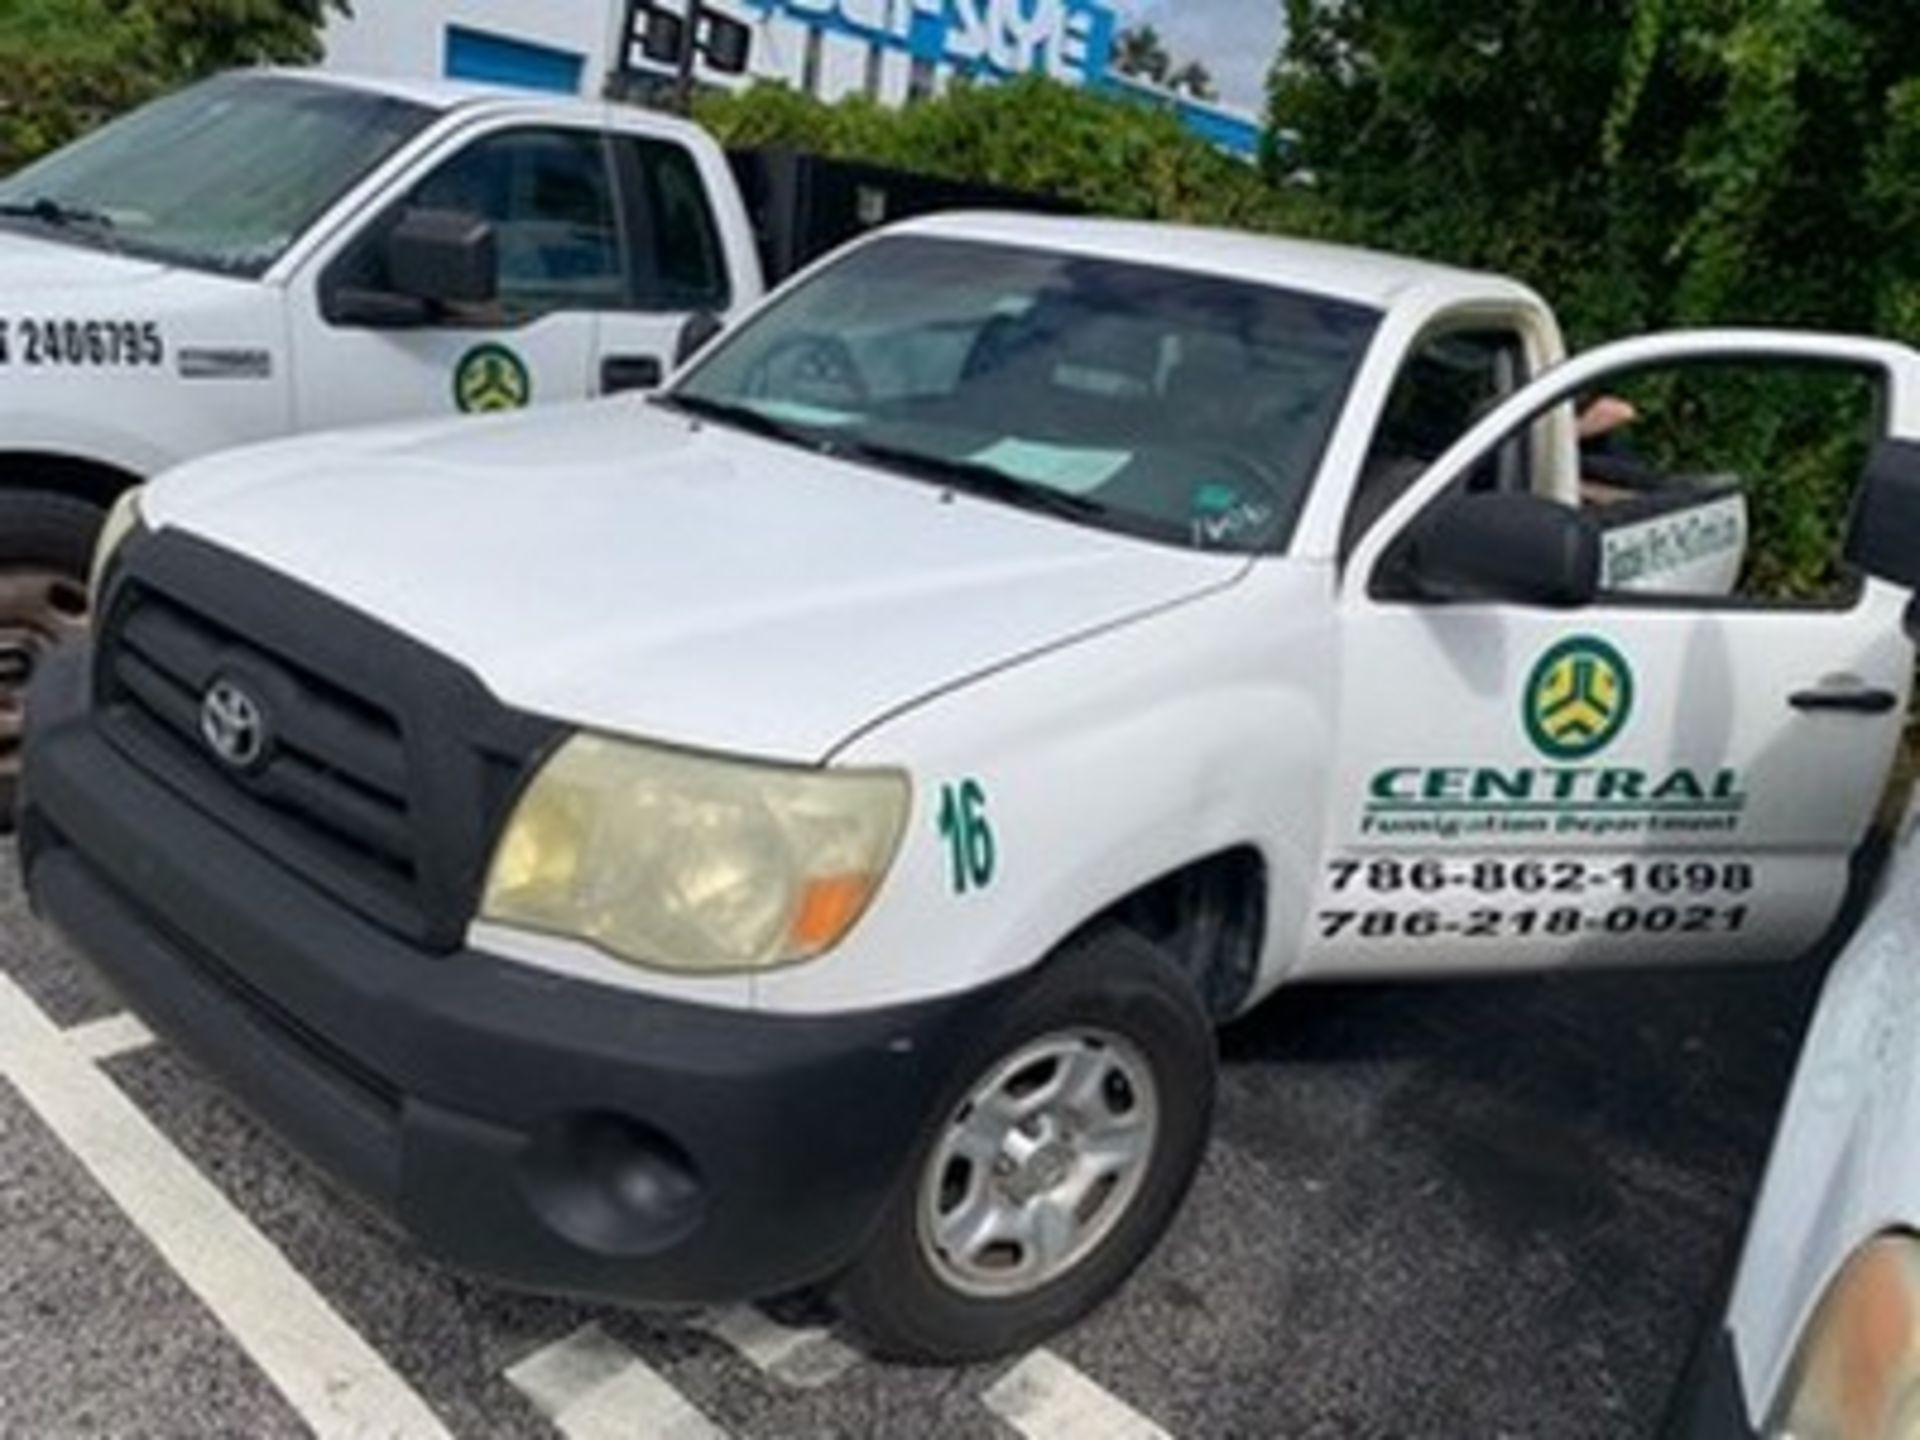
31,269
1846,1160
616,566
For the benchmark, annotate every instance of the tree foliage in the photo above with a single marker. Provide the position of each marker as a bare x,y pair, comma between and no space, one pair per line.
69,64
1109,155
1140,51
1646,164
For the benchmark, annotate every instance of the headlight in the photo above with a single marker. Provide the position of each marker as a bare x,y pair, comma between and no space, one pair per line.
687,862
1857,1373
122,520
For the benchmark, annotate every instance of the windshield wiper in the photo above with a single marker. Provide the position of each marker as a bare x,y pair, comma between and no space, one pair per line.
744,417
49,211
975,478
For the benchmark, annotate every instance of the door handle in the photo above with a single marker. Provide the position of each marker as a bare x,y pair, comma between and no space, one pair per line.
631,372
1853,699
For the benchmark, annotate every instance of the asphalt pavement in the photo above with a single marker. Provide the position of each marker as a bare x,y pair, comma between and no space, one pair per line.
1498,1209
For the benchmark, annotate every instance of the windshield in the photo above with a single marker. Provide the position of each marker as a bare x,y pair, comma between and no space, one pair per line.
223,176
1180,407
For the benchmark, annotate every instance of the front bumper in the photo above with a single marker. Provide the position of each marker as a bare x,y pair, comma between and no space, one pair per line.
532,1129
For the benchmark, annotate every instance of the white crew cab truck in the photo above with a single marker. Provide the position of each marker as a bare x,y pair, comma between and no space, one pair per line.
272,253
802,828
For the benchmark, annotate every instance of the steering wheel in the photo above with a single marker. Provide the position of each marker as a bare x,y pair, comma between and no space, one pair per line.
816,362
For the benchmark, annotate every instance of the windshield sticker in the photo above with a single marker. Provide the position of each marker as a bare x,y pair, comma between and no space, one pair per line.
971,852
1068,468
798,412
81,344
1221,516
491,378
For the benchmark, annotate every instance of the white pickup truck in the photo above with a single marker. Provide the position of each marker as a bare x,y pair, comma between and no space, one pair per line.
272,253
803,828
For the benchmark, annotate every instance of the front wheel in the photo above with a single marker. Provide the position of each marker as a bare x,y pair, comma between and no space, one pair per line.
1059,1159
46,543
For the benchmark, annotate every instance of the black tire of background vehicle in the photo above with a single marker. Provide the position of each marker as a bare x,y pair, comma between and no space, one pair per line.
1109,979
43,535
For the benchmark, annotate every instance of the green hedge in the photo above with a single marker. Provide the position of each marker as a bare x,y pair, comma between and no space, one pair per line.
1113,157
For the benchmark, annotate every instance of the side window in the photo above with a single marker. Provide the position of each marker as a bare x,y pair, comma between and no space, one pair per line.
549,196
686,263
1451,381
1722,482
1728,481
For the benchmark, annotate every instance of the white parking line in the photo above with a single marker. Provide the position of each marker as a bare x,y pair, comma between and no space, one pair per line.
1045,1398
593,1388
803,1358
336,1382
104,1039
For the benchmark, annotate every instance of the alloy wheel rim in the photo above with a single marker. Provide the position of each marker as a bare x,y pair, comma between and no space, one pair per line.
1038,1164
38,609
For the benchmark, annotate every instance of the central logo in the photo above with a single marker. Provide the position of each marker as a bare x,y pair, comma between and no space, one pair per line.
491,378
233,725
1578,698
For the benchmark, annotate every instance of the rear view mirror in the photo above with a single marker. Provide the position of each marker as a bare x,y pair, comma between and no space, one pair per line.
1883,538
701,329
445,257
1513,547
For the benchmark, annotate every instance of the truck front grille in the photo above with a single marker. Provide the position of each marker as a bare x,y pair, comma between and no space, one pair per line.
384,769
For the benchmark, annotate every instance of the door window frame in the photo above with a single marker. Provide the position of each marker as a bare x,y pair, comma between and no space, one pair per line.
363,231
1896,367
629,154
1511,358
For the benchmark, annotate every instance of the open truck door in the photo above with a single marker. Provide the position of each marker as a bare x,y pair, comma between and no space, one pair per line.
1541,762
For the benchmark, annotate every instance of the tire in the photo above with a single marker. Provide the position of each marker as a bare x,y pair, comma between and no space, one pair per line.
1110,1004
46,546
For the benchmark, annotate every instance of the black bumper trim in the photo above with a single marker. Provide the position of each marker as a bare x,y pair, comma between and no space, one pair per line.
460,1094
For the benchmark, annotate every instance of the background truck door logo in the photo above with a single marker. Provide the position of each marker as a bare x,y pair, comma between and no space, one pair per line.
491,378
233,725
1578,698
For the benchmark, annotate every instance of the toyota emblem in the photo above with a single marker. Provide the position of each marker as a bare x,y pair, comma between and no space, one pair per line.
233,724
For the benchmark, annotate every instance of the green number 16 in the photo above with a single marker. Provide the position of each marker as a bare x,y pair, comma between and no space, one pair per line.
963,825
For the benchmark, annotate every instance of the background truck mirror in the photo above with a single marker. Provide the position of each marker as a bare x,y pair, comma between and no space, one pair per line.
728,45
1514,547
701,329
1883,539
445,257
661,36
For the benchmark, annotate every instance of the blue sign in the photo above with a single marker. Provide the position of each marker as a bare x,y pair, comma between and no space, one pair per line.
1070,40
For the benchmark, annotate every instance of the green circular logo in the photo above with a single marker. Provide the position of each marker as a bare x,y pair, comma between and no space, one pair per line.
1578,698
491,378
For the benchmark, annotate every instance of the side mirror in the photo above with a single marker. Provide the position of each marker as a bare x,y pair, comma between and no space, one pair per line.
1519,548
1883,538
444,257
432,259
701,329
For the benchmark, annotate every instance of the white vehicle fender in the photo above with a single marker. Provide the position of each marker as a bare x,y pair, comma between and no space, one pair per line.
1096,768
1844,1167
209,371
66,436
